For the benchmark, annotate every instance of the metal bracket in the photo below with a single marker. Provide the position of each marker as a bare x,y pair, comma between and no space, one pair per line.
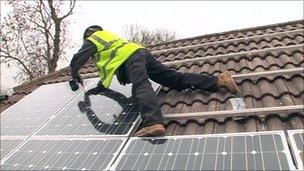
235,113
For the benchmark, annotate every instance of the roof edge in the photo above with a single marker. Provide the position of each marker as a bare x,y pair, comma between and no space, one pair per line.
41,80
230,31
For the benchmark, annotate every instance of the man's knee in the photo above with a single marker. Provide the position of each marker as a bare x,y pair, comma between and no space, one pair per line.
141,86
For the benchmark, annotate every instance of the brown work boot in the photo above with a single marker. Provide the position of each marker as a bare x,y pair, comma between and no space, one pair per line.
225,80
150,131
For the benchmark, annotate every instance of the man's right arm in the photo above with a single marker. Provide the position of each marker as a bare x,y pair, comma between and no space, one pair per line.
87,50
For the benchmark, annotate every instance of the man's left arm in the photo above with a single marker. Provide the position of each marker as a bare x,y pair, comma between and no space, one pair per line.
87,50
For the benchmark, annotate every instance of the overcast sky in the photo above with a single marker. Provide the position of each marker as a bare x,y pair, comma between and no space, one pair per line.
186,18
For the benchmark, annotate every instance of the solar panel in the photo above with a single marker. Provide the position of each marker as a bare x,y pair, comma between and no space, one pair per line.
249,151
64,154
8,145
297,146
112,112
34,109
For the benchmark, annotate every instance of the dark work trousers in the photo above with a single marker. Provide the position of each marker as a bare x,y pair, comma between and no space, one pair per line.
141,66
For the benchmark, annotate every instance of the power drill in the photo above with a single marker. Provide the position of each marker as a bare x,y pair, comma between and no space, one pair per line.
73,84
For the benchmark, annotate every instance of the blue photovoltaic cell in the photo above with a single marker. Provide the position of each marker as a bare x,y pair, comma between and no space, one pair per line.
34,109
257,152
112,112
64,155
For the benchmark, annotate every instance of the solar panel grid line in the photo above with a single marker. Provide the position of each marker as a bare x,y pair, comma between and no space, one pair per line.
90,133
49,155
231,162
45,151
24,156
196,151
58,107
13,150
7,137
223,163
295,146
254,161
125,122
163,155
180,143
76,137
51,118
7,146
78,128
34,136
142,162
83,153
103,149
275,145
205,144
64,107
121,153
217,151
150,157
88,81
189,155
210,147
263,164
137,160
59,103
246,158
71,162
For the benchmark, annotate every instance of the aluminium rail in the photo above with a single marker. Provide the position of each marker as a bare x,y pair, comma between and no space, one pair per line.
239,76
270,73
234,113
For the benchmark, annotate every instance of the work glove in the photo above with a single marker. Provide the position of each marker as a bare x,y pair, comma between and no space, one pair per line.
76,79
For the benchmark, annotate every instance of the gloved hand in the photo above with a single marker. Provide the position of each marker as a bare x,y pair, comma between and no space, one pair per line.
77,78
74,82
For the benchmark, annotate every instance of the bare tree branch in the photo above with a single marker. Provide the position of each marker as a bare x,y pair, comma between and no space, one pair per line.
72,6
146,37
20,62
34,36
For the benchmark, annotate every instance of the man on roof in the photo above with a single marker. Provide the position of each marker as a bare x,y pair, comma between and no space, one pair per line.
133,63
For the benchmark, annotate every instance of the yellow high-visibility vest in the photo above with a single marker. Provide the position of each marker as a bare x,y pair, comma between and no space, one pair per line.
112,51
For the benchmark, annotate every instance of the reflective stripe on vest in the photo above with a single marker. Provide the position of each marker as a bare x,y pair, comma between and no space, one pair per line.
112,51
113,54
106,45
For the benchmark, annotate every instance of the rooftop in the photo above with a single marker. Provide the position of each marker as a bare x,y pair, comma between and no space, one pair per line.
76,132
275,52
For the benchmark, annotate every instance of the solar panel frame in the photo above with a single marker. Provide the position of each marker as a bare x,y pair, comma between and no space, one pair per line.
34,136
8,145
55,119
280,133
23,137
19,151
10,126
115,86
294,147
